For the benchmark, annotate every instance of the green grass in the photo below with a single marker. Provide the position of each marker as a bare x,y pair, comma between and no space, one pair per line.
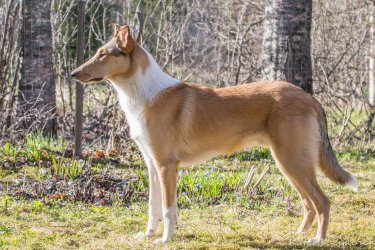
215,209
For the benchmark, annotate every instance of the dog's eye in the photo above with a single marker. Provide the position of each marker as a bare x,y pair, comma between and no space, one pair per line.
101,55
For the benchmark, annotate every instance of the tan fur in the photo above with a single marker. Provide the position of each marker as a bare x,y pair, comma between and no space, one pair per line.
274,114
201,119
187,123
195,120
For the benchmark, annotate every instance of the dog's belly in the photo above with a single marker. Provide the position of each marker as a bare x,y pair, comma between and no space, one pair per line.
190,159
201,154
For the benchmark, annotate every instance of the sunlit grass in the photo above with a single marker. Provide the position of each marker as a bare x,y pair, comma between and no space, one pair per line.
216,210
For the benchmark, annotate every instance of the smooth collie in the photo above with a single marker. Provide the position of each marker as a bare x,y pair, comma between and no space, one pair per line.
176,123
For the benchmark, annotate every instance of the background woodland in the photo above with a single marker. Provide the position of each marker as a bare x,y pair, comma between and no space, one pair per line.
218,43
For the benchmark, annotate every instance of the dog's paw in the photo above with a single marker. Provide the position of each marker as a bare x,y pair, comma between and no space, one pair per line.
160,241
302,230
315,241
299,232
142,235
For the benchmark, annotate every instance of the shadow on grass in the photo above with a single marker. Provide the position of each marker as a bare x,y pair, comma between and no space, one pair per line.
248,241
281,245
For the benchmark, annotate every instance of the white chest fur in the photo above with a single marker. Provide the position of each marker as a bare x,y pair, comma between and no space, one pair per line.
133,109
136,92
136,120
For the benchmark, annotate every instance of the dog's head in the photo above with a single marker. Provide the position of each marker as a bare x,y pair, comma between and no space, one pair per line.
117,58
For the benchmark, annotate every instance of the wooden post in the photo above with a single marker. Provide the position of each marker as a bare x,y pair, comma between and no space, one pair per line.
79,88
371,89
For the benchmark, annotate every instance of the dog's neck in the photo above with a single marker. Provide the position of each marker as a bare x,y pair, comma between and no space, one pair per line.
141,88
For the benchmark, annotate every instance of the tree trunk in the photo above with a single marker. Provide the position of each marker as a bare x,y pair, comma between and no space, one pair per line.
286,42
36,96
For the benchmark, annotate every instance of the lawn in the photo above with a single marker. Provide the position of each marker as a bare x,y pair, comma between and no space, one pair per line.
50,201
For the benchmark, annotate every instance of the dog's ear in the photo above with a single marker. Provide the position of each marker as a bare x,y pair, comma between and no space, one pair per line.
125,40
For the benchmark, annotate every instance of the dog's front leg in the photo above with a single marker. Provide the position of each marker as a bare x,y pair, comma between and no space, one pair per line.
155,200
168,180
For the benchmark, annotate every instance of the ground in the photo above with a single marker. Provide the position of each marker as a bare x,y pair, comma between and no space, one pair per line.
40,208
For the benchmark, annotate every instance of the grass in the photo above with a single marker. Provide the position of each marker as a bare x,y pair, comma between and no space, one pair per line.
215,209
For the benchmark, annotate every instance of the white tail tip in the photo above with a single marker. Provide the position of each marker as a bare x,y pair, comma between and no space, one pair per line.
353,183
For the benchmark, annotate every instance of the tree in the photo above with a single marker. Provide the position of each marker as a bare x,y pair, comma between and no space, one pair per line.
36,96
286,42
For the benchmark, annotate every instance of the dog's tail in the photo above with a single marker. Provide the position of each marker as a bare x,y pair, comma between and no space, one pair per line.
328,161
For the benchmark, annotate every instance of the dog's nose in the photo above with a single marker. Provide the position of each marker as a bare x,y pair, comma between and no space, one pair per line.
74,73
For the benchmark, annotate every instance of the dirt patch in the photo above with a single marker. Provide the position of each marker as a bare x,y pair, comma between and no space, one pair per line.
100,189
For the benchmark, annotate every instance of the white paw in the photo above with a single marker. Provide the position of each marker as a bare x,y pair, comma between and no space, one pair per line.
160,241
142,235
299,231
302,230
314,241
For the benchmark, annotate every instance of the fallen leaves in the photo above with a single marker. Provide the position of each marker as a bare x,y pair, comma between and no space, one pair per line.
101,189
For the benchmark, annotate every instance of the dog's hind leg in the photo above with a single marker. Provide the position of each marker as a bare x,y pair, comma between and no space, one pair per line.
303,178
308,207
295,146
308,210
321,205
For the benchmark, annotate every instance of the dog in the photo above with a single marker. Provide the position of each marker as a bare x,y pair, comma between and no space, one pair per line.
175,123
